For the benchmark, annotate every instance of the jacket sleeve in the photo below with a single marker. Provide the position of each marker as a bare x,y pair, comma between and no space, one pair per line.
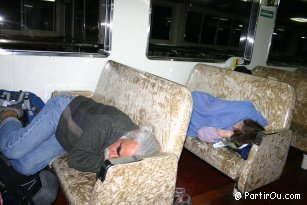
88,153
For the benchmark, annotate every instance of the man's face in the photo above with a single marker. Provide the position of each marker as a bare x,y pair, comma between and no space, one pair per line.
123,147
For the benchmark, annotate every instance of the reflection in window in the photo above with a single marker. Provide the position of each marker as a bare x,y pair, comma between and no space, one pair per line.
209,30
223,31
162,22
39,15
202,30
289,39
10,15
302,45
236,32
66,26
192,29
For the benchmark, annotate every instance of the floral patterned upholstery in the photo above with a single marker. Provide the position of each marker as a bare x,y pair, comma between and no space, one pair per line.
145,98
274,99
298,80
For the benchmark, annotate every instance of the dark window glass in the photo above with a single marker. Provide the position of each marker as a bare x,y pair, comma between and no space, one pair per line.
192,29
236,32
162,17
289,44
223,31
39,15
10,17
209,29
69,26
202,30
302,45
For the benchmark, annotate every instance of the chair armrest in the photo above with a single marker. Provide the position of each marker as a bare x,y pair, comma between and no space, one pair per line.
265,163
73,93
149,181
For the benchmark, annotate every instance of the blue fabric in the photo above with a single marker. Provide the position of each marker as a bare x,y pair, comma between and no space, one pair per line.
210,111
244,151
33,147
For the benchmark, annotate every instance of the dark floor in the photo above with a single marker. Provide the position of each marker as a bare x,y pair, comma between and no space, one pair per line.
207,186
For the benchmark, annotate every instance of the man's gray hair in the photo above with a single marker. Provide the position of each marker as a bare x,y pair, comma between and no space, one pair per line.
147,140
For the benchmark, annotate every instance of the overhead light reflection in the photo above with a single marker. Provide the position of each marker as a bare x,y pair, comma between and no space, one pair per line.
250,40
280,29
299,19
242,39
223,19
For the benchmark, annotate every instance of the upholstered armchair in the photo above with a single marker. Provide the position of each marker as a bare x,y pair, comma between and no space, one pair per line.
275,100
145,98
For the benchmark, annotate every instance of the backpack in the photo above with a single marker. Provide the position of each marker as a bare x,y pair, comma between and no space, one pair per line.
40,188
28,101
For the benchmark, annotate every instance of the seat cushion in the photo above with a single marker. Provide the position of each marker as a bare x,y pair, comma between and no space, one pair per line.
224,159
77,186
299,138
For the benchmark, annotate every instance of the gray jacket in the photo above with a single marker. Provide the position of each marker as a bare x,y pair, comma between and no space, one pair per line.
86,128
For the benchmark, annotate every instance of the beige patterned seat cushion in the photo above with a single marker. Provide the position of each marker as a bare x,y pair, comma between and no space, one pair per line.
83,188
299,82
224,159
299,138
77,186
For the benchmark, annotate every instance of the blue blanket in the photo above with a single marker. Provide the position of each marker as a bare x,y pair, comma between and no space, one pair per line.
210,111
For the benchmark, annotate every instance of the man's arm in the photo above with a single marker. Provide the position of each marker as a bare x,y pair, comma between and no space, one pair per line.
88,153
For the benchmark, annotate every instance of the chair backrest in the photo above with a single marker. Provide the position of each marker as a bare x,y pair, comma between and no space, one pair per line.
299,82
275,100
148,98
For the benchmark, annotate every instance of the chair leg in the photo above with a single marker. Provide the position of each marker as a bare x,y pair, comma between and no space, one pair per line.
304,162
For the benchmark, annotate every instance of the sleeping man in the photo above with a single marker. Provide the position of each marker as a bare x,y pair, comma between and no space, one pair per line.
87,130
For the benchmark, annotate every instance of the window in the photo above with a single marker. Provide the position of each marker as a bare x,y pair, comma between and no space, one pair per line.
162,21
193,26
68,27
202,30
289,40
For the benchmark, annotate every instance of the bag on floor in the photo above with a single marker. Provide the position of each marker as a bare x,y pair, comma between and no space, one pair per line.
17,189
28,101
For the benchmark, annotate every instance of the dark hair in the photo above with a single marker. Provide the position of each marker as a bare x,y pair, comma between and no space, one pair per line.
248,132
